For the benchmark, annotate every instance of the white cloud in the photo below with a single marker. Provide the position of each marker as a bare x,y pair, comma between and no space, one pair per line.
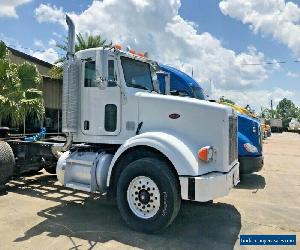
255,98
51,14
157,27
52,43
276,18
49,55
39,43
293,75
8,7
57,35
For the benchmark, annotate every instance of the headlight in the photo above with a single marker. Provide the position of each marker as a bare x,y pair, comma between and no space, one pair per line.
250,148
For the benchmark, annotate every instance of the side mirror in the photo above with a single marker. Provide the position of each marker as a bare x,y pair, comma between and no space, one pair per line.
101,67
100,82
155,83
163,78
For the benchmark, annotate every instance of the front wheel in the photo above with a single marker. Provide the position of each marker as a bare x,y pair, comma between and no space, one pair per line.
148,195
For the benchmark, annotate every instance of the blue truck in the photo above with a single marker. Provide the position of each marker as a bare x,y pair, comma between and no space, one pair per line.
249,131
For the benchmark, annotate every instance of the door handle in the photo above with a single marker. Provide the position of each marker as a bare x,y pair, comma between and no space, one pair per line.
86,125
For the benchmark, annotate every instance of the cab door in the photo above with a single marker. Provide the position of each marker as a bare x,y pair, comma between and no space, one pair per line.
100,103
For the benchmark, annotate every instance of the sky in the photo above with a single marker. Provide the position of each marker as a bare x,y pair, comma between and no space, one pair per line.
245,50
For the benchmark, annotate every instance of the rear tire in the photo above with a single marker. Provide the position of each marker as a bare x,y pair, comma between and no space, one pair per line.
148,195
51,170
7,163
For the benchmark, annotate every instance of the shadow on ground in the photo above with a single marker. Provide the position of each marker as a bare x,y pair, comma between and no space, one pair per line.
3,190
251,181
92,218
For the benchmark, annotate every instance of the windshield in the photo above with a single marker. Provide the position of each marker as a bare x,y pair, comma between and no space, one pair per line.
137,74
198,93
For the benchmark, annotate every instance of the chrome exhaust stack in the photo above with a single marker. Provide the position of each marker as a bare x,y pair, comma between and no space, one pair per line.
57,151
71,38
70,92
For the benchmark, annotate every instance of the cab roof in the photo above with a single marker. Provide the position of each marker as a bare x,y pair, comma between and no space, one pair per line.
91,51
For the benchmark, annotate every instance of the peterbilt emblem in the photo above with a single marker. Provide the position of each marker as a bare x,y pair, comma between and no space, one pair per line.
174,116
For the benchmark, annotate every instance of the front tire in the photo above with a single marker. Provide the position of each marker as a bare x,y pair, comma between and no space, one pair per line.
7,163
148,195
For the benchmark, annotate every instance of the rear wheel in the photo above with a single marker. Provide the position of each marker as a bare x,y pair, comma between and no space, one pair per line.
148,195
7,163
51,169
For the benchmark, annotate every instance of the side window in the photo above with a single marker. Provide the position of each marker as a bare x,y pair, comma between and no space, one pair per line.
112,78
90,74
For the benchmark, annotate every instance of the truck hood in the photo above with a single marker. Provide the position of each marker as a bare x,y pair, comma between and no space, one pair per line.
186,100
197,123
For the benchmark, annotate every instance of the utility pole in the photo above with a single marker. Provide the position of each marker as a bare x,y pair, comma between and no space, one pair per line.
271,104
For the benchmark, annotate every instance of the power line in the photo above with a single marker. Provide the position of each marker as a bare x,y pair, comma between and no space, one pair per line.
263,63
270,63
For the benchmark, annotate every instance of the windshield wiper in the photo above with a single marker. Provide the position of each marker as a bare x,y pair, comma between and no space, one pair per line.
139,86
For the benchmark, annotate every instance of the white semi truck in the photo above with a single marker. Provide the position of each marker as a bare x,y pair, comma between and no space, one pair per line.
150,151
276,125
294,126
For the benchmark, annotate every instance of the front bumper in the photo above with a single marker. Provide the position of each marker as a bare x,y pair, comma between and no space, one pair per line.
251,164
209,186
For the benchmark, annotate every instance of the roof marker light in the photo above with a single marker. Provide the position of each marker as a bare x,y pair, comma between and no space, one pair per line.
118,46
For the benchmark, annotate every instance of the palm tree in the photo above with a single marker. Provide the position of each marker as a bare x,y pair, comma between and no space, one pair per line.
90,42
20,90
82,43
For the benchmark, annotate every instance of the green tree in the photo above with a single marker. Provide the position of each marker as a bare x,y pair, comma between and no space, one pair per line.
269,113
20,90
82,43
298,115
225,100
286,110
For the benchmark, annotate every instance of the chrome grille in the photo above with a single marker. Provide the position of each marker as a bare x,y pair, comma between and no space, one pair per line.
233,147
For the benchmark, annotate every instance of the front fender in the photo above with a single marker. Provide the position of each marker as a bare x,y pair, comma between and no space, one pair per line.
179,153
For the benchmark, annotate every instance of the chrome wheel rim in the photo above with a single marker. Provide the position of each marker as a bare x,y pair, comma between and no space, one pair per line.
143,197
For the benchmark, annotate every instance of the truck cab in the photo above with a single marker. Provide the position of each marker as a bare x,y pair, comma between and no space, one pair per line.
249,131
147,150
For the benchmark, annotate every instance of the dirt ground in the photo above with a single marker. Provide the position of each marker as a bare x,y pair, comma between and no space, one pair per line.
38,213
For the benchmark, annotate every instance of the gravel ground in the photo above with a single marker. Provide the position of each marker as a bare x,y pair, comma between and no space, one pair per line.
38,213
